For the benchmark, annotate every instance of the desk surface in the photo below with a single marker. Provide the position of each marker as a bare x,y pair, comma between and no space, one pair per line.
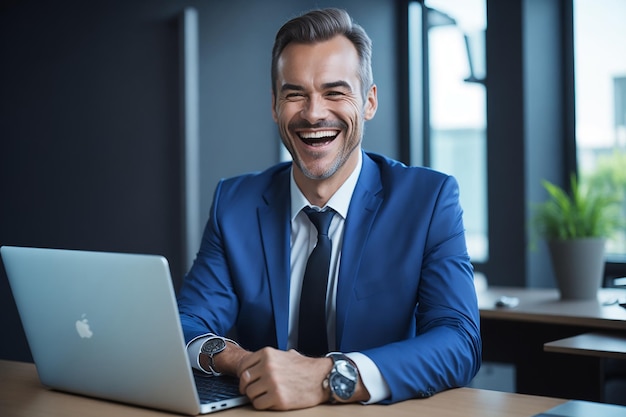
544,305
21,394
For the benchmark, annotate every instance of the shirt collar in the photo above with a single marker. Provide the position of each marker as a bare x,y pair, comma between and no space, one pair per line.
340,201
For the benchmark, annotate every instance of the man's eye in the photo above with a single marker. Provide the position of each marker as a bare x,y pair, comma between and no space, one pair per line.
335,94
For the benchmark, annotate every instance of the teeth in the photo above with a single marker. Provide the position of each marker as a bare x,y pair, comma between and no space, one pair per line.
318,134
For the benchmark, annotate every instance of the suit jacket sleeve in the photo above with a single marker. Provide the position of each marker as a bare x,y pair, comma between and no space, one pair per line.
238,285
207,301
443,347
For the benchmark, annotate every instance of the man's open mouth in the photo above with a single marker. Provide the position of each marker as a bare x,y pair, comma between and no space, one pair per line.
317,138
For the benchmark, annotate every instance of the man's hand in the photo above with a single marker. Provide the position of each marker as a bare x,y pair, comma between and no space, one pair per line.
279,380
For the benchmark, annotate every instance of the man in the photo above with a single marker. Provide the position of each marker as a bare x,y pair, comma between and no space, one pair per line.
399,304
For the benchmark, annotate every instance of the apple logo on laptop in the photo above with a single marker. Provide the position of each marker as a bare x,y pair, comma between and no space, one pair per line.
82,327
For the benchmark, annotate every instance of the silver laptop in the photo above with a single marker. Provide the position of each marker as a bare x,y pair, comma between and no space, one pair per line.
106,325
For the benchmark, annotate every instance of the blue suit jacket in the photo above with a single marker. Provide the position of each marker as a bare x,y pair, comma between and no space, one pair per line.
405,295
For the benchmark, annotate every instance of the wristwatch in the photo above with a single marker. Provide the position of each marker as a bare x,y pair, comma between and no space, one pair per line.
342,379
212,347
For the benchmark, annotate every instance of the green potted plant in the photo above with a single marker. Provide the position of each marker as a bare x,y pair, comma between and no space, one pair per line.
576,224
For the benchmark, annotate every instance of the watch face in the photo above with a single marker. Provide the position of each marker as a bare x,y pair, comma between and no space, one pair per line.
343,381
213,346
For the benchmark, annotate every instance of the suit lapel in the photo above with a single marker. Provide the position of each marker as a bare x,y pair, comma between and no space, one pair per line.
365,203
274,223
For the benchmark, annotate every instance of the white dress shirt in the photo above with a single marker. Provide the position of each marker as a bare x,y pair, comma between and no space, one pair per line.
303,240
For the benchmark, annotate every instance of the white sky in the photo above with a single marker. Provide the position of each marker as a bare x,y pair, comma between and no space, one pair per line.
600,47
600,56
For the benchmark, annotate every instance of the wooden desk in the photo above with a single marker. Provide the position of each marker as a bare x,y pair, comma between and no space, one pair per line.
22,395
517,335
543,305
602,345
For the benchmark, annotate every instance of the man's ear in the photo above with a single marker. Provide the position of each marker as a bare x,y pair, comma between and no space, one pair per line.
274,115
371,103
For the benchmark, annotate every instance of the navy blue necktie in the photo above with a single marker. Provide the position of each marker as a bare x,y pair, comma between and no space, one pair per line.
312,338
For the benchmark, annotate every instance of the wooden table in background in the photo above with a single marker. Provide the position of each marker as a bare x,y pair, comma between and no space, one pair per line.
601,345
517,336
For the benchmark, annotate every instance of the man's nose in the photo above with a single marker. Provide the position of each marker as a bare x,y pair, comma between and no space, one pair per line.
315,109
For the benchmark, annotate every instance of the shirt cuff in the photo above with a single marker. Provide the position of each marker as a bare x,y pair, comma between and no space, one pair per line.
193,351
371,377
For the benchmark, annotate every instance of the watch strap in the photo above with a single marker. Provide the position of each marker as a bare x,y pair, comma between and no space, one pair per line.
335,356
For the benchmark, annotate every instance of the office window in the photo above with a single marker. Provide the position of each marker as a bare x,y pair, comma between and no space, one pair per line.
448,107
600,97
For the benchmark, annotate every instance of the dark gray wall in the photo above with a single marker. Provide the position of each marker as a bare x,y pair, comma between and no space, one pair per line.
90,126
526,130
545,126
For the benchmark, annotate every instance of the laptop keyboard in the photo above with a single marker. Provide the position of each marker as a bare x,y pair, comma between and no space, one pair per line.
216,388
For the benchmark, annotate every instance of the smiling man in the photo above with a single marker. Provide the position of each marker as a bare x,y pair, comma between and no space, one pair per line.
344,274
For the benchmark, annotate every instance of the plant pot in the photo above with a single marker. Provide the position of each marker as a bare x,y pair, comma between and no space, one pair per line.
578,266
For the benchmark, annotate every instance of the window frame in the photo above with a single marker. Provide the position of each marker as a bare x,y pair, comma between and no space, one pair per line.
512,183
